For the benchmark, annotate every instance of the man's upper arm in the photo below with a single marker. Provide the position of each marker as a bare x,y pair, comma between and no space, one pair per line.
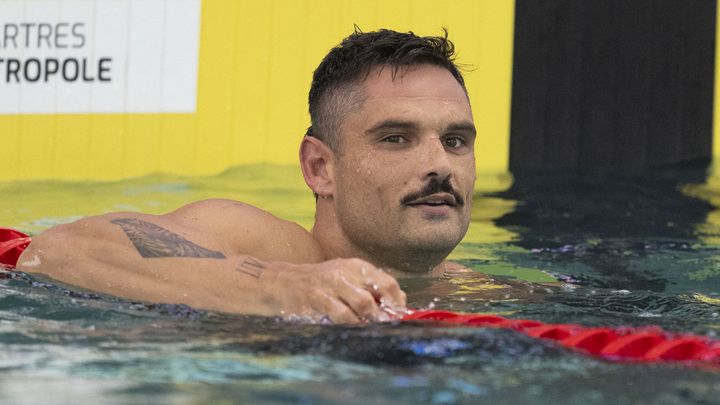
244,229
204,229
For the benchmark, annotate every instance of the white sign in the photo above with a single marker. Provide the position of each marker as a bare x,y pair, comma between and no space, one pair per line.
98,56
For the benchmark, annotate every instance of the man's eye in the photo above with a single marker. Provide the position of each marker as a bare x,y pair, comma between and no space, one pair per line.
454,142
394,139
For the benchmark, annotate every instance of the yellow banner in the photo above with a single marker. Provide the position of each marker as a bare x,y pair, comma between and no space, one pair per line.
256,60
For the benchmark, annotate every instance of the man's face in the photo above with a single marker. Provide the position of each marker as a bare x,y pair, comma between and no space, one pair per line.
405,171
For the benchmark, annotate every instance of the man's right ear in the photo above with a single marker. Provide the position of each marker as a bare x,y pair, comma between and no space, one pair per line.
317,162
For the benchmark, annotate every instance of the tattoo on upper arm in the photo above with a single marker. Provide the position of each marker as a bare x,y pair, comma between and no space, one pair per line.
152,241
252,267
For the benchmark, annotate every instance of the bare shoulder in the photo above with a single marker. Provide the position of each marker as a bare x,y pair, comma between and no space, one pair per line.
222,213
246,229
218,226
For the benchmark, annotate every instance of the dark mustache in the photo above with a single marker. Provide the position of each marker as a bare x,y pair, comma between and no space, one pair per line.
435,186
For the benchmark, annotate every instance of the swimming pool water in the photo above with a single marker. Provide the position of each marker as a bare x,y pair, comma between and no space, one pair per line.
631,248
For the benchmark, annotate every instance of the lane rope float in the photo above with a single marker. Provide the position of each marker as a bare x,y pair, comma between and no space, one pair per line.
646,344
12,244
649,344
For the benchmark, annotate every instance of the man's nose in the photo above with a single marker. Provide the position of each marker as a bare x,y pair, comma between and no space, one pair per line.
436,162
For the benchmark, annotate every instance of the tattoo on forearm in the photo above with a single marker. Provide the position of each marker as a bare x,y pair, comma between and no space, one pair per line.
153,241
252,267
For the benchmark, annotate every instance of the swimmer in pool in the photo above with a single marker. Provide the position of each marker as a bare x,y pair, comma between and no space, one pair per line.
389,157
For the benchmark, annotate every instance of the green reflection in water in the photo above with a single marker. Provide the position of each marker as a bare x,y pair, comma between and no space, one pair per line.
35,206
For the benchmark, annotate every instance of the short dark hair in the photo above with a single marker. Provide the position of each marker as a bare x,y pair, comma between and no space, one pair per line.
335,89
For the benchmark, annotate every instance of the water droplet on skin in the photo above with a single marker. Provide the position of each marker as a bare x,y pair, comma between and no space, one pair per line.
375,287
35,261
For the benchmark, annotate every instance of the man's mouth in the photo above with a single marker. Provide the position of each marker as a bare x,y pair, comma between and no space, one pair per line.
434,196
434,200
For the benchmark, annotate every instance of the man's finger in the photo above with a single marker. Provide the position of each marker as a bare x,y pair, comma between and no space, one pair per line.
386,291
337,311
363,304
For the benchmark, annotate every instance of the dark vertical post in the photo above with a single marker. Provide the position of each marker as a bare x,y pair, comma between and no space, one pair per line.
612,83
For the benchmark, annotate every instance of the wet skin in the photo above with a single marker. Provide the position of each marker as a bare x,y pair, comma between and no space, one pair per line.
395,199
413,131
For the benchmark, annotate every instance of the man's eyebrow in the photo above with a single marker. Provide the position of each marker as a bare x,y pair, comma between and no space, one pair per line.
391,124
462,127
394,124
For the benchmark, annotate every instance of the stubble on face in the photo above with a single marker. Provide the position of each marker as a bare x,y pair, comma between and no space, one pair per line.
375,179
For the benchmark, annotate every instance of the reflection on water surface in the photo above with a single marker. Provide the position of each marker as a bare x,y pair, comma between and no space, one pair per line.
595,249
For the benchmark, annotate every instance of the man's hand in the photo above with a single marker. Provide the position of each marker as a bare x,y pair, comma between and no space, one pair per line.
341,290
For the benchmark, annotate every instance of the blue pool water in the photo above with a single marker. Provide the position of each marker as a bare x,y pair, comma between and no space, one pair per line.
629,249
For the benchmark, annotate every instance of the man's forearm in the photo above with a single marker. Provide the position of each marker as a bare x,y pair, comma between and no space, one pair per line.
142,260
152,265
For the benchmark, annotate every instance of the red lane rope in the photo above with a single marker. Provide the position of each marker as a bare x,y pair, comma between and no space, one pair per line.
647,344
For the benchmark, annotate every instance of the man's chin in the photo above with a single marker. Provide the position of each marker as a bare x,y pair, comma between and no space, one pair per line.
438,241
